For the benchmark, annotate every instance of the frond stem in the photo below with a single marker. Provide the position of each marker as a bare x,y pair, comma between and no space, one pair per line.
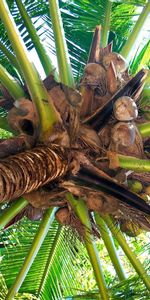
106,24
126,50
11,84
110,246
43,55
144,129
65,71
45,108
35,247
131,256
50,257
82,213
133,163
12,211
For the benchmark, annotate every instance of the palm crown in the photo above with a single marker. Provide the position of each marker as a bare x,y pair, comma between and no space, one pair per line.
61,161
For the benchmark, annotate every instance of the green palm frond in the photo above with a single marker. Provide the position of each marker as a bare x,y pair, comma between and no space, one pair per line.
23,32
60,278
82,16
4,291
78,17
141,59
131,289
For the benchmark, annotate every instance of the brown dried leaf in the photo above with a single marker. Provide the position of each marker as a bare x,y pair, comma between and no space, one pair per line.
94,49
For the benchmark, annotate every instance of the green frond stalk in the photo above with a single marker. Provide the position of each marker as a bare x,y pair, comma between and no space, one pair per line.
127,250
46,111
126,50
41,51
65,71
37,242
51,255
82,213
132,163
10,57
12,211
106,24
11,84
144,129
110,246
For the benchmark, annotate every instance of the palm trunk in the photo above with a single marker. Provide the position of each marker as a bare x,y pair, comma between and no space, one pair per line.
29,170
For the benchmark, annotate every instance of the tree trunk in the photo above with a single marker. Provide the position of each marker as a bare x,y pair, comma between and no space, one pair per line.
27,171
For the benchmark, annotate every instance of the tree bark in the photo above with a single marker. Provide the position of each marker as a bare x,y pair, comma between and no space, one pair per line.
29,170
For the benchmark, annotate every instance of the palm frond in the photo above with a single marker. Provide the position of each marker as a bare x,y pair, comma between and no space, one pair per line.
4,290
141,59
78,17
60,278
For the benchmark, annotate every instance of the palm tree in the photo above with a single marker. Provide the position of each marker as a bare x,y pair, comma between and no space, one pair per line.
62,157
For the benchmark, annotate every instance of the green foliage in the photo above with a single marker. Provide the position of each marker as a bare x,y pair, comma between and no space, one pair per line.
4,290
61,277
78,17
69,269
5,134
141,59
62,266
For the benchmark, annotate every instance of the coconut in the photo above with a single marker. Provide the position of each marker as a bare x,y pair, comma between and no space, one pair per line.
95,76
135,186
125,109
123,134
126,140
118,61
130,229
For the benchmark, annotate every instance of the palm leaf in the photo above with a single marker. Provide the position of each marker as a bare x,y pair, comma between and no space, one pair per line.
141,59
78,17
61,273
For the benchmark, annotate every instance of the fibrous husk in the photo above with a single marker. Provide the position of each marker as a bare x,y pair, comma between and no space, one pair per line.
23,117
125,109
102,203
46,198
65,216
118,61
89,138
77,146
68,218
126,139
